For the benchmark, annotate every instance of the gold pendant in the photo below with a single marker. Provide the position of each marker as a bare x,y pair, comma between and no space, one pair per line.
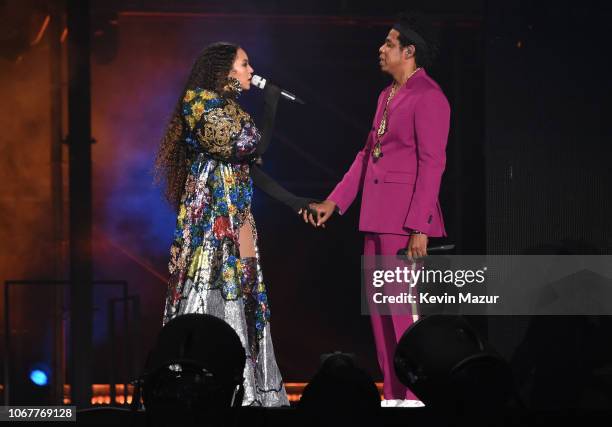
377,152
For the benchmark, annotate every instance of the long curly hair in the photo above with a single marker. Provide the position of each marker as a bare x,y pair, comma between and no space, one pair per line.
174,157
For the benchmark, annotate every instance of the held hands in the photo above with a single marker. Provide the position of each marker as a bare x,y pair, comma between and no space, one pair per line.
323,211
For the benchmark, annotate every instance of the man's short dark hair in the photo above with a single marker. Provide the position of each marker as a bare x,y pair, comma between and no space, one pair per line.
419,31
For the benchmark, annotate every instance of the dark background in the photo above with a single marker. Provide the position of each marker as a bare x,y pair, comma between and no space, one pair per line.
527,158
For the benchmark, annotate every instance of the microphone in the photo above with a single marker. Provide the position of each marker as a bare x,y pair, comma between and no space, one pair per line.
434,249
260,82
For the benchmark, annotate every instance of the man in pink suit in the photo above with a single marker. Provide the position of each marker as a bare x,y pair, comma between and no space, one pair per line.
399,172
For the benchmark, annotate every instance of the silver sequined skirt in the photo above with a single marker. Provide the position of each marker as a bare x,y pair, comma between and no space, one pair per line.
263,384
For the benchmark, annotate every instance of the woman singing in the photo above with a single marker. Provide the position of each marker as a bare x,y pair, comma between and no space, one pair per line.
207,161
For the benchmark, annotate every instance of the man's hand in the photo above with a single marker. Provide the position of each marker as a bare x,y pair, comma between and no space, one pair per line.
417,246
324,211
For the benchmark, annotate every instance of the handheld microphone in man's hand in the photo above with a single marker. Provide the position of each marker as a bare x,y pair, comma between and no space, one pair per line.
434,249
260,82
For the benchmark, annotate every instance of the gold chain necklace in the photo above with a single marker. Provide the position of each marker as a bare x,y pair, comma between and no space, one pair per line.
382,127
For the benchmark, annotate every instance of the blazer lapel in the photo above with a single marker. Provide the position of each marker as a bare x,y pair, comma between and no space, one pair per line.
405,90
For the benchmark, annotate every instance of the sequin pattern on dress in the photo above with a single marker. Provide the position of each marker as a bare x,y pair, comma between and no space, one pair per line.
207,274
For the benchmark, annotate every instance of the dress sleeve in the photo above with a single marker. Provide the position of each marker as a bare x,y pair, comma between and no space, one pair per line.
273,189
271,97
219,127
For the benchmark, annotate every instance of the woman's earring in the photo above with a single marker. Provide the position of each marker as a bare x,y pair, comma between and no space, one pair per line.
233,85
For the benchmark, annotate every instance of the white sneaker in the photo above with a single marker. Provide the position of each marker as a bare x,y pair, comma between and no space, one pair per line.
410,404
390,403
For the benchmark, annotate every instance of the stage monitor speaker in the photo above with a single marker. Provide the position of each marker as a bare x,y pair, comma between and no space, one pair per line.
195,371
445,362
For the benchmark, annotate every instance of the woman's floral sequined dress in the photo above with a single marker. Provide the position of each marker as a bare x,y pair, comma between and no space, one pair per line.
207,274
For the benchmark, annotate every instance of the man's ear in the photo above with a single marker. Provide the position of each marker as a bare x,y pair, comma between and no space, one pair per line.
409,51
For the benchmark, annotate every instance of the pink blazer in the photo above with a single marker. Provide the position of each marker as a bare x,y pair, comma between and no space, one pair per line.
400,190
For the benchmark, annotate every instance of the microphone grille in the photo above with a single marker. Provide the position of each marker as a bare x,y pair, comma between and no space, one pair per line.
258,81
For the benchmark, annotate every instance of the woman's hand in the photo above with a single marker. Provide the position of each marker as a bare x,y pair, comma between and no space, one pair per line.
323,211
309,214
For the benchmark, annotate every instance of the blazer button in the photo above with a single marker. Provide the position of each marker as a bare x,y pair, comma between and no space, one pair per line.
376,181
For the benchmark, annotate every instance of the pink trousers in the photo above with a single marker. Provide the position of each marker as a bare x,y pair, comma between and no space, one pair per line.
388,329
